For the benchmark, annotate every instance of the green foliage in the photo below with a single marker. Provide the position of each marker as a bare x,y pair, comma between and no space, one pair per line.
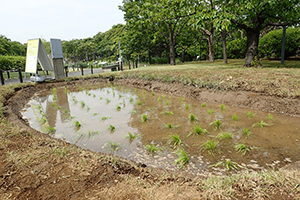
270,44
12,62
183,158
237,48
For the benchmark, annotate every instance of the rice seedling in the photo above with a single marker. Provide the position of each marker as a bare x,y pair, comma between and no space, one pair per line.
183,158
270,117
222,107
250,114
42,121
82,104
114,146
167,113
181,99
132,136
111,128
120,95
136,90
210,146
74,100
114,94
94,114
50,129
175,140
199,130
118,108
150,109
210,111
187,106
144,118
228,164
65,89
130,99
107,91
216,124
139,103
101,98
92,133
77,125
261,124
158,99
203,105
66,112
163,96
225,135
144,92
153,93
169,125
192,117
167,103
242,148
54,94
133,112
105,118
247,131
107,100
152,148
235,117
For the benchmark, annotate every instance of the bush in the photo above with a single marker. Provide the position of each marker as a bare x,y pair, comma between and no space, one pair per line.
270,44
237,48
160,60
12,62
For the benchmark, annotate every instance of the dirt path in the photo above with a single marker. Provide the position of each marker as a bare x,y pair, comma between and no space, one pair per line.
36,166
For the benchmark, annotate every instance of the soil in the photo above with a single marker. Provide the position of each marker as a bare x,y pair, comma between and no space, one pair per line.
37,166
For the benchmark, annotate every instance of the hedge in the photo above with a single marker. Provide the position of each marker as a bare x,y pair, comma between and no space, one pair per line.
12,62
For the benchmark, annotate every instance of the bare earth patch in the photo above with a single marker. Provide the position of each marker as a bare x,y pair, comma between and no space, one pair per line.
37,166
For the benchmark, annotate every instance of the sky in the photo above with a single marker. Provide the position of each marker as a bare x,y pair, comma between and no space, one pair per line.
21,20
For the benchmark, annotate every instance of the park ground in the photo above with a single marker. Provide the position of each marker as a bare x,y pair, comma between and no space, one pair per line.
35,166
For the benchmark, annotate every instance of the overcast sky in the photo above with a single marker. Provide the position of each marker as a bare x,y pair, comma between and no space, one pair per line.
21,20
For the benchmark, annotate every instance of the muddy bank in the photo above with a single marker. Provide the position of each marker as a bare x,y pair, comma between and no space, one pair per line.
36,166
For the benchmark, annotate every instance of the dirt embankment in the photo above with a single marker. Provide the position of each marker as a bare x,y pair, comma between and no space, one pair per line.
35,166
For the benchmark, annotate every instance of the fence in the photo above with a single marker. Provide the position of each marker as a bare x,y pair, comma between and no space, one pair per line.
8,75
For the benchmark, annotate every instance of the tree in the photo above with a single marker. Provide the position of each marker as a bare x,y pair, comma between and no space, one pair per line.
168,17
254,15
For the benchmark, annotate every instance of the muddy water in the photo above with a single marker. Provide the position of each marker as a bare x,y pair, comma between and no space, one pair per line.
267,147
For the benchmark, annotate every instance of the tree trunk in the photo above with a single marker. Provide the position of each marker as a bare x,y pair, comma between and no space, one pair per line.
211,50
172,47
129,64
223,34
182,55
252,58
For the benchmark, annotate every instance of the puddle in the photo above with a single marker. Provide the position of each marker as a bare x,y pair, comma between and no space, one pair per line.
57,112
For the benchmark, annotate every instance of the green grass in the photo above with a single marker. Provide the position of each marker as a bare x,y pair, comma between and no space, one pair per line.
183,158
152,148
235,117
216,124
167,113
225,135
261,124
144,118
222,106
111,128
169,125
175,140
230,165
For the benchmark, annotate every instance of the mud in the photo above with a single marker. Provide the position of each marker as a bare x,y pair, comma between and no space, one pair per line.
54,169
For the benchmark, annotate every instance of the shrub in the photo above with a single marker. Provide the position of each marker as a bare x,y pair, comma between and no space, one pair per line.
12,62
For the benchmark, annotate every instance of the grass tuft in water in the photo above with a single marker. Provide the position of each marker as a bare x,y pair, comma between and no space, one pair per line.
139,103
199,130
210,111
114,146
235,117
187,106
77,125
144,118
216,124
132,136
183,158
261,124
169,125
111,128
222,106
270,117
167,103
107,100
152,148
175,140
192,117
242,148
247,131
210,146
104,118
158,99
167,113
118,108
225,135
228,164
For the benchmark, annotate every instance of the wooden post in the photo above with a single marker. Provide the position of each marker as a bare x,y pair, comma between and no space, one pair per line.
122,64
81,68
20,75
8,74
1,76
129,64
66,71
92,69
